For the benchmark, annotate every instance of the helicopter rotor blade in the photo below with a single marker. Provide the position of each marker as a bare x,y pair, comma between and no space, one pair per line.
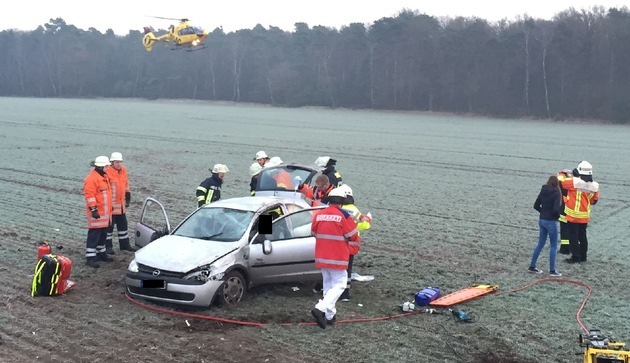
161,17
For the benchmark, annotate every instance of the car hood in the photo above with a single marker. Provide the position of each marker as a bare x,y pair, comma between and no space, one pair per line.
182,254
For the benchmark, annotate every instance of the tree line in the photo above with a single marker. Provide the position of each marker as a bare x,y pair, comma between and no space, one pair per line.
576,65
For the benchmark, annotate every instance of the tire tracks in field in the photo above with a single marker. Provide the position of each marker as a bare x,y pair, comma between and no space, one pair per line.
395,210
359,156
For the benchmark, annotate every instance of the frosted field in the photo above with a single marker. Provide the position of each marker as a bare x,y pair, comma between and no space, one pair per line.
451,196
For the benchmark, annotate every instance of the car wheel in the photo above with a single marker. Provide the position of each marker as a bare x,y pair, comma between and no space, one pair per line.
233,289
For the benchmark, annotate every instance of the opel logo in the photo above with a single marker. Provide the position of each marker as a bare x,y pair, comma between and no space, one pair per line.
156,273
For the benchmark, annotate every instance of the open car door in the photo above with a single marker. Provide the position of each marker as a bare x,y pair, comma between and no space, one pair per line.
288,253
153,223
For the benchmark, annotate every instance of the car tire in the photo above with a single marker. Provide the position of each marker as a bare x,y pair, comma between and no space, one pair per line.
233,289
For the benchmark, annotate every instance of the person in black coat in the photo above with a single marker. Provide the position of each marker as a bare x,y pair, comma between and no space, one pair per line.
334,177
548,205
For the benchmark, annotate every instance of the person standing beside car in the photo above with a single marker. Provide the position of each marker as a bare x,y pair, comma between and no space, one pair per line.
210,189
320,190
121,196
98,205
261,158
334,177
363,223
254,171
548,204
336,238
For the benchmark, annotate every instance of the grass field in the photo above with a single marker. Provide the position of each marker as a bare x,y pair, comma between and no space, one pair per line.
451,197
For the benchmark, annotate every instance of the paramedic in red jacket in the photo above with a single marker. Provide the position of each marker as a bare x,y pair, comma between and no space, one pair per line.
98,207
337,238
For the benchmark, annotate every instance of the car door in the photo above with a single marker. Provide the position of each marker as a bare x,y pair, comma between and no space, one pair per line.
153,223
292,254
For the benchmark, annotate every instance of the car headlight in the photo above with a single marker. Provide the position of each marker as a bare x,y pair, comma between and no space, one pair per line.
133,266
205,273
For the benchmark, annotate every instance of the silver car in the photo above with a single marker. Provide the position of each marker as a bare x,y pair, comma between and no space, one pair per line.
217,252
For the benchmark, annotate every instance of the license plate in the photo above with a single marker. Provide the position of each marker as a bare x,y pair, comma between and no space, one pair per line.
153,284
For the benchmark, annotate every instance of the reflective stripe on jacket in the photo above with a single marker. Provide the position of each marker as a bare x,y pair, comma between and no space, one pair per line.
580,196
120,185
362,223
209,190
98,192
336,237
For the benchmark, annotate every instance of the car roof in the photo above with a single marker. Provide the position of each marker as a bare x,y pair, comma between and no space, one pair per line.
255,203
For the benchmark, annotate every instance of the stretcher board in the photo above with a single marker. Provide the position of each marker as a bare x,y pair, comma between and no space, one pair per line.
466,294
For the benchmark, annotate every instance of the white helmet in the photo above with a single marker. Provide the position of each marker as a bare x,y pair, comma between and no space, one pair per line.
337,192
585,168
346,190
261,155
322,161
254,169
220,168
116,156
101,161
274,161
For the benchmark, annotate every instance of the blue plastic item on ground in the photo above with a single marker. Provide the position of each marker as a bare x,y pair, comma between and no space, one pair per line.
425,296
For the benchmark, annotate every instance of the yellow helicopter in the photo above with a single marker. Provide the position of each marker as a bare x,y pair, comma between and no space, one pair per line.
183,36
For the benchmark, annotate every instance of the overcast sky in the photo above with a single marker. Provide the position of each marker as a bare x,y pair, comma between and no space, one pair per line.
121,16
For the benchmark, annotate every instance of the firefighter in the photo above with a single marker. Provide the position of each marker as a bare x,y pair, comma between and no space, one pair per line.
582,192
363,223
261,158
321,189
210,189
121,196
254,171
98,206
336,238
329,164
281,177
564,238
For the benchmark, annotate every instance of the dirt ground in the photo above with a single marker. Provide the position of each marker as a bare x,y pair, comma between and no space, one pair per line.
452,200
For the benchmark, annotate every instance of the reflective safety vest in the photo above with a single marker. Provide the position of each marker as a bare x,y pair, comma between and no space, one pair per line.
98,192
362,222
120,185
336,238
580,196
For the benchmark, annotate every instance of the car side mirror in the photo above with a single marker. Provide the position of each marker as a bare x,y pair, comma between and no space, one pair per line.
266,247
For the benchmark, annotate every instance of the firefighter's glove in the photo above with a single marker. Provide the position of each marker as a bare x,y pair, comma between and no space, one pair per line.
127,198
94,211
200,204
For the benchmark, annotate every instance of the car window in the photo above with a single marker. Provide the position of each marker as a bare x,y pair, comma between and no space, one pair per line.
291,208
282,178
296,225
216,224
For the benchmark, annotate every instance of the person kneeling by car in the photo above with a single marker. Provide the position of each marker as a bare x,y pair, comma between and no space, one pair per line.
336,238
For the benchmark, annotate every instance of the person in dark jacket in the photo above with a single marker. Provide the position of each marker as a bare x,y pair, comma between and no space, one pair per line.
210,189
548,205
334,177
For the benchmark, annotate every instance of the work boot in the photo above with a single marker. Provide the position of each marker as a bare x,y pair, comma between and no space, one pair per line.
91,262
127,247
345,296
320,317
110,251
104,257
331,321
318,288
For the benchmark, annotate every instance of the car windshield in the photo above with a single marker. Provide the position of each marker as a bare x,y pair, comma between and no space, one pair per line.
283,178
216,224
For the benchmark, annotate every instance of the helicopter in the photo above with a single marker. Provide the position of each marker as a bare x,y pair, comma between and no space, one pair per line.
183,36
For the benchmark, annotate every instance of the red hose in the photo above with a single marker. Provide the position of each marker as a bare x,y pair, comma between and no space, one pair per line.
251,323
362,320
577,315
